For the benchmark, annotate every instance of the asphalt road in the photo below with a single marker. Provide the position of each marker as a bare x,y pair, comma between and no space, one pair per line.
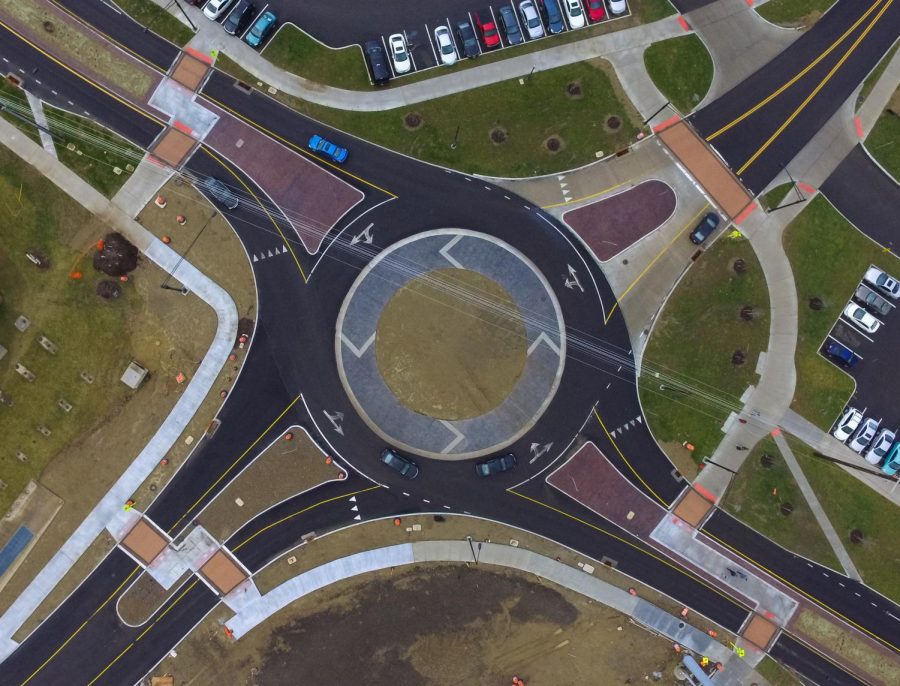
790,120
789,651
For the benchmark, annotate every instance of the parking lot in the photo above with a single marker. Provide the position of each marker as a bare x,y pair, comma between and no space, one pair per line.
876,371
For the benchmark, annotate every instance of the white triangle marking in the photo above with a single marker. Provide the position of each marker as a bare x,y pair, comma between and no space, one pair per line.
270,253
255,258
358,518
353,499
355,508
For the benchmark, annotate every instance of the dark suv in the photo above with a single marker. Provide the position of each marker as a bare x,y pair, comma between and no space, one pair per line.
704,229
403,465
510,25
238,18
377,62
467,39
496,465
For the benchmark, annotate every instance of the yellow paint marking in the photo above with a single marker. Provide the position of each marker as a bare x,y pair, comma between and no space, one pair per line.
587,197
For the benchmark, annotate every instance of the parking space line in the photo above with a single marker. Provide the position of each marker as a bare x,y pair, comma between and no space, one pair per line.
500,33
840,343
475,29
431,43
390,57
409,51
516,13
251,23
852,323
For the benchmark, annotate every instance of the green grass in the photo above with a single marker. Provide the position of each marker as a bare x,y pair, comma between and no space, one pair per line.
776,196
872,78
652,10
297,52
884,142
692,344
828,256
775,674
15,108
87,330
147,13
529,113
850,504
682,69
794,12
750,499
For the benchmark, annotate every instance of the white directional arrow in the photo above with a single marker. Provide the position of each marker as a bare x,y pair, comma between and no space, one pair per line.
445,251
537,450
336,420
458,436
364,237
543,338
361,350
573,281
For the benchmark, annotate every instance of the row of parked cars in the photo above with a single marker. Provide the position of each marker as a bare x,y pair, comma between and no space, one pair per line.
860,435
236,16
408,469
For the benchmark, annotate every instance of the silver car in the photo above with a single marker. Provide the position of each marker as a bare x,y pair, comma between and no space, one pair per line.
531,19
872,300
880,446
864,435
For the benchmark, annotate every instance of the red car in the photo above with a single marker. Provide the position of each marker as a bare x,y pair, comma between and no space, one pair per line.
489,34
595,10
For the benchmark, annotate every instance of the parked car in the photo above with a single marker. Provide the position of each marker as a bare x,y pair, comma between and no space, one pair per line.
872,300
883,282
490,36
496,465
220,192
467,39
260,29
399,53
214,9
238,19
880,446
861,318
864,435
403,465
530,18
892,462
574,13
328,149
445,47
377,62
704,229
847,424
596,10
841,354
552,16
617,6
510,25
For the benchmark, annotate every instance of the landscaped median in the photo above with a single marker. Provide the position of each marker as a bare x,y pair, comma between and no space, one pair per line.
794,13
682,70
883,143
703,349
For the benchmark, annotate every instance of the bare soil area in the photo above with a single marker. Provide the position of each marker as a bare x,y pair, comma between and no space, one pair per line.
145,596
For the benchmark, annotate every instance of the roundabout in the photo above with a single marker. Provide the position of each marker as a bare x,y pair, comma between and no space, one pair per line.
450,344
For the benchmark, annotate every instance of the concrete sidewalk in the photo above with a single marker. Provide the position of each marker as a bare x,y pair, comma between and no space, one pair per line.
226,331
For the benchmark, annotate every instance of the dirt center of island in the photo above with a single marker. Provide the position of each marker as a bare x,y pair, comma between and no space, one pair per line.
451,344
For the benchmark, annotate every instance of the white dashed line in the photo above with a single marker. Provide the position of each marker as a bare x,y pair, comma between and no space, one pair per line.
406,494
446,507
426,501
857,594
507,197
487,188
841,585
873,604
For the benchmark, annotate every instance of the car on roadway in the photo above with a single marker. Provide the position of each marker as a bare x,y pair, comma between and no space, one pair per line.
574,13
861,318
617,6
238,19
530,18
883,282
400,464
220,192
260,29
466,37
214,9
490,36
872,300
596,10
842,354
880,446
399,53
847,424
704,229
328,149
445,47
510,25
552,16
864,435
496,465
377,62
892,461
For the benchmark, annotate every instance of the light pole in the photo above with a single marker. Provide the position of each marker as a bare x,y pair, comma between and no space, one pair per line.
455,142
164,285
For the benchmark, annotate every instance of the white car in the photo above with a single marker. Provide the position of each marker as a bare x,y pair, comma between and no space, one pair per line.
574,12
617,6
446,48
861,318
864,435
399,53
530,18
214,9
880,446
847,424
883,282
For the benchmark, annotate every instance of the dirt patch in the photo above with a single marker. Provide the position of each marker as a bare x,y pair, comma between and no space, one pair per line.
498,135
282,470
451,344
436,625
554,144
144,597
612,123
574,91
412,121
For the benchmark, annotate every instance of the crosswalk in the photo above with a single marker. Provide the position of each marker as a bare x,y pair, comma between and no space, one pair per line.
630,424
266,254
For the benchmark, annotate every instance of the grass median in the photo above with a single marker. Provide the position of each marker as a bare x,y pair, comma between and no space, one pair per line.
883,143
794,13
682,69
147,13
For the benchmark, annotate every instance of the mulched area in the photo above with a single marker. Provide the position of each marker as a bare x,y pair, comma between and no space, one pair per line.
609,226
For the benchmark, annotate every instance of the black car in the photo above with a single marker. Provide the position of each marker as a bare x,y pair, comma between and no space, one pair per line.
403,465
238,19
377,62
704,229
510,25
496,465
467,39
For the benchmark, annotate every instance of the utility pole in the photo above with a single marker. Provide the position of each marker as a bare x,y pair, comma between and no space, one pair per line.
164,285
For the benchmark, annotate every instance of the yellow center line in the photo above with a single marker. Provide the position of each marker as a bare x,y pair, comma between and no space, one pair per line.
587,197
625,460
653,261
799,75
816,90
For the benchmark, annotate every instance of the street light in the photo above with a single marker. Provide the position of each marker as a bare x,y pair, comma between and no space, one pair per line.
183,290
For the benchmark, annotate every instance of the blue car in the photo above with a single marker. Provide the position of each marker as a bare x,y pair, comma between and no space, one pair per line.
325,147
892,461
256,35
